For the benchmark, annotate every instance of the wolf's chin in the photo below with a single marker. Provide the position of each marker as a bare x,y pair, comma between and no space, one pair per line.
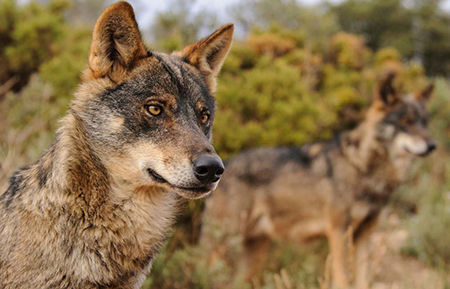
191,194
185,192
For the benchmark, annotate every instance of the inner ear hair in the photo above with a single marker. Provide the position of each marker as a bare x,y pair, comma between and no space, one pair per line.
386,91
208,54
427,93
116,43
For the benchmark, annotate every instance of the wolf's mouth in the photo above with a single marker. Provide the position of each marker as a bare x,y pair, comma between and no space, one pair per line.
424,154
158,178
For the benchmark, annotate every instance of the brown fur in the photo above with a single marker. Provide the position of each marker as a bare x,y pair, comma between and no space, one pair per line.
94,211
117,45
334,189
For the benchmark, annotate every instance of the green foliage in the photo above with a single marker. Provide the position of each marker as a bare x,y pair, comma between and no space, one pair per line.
264,106
382,23
348,51
426,241
180,25
64,69
8,16
32,33
418,30
187,268
387,54
315,24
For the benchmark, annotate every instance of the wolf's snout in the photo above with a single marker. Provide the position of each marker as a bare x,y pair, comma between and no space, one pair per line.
208,169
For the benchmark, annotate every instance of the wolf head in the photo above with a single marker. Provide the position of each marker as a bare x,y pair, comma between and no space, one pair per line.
402,122
148,115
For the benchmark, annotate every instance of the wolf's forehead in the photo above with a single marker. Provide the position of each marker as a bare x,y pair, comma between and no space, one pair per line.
416,107
184,78
161,75
408,108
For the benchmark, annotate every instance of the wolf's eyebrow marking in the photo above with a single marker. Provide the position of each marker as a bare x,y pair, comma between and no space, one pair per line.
165,97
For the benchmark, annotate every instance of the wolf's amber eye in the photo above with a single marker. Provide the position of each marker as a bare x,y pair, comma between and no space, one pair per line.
205,117
154,110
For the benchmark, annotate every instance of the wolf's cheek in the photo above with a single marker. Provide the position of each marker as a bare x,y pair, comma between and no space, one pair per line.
386,132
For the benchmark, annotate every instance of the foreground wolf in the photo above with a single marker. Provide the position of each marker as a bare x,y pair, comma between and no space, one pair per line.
329,189
94,211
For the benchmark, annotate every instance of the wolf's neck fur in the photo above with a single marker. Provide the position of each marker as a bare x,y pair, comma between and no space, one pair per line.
362,149
125,226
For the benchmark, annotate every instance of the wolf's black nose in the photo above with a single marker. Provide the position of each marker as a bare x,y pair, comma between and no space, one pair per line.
208,169
431,146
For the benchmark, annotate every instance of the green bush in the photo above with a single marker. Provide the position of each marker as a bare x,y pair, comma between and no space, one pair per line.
64,69
427,241
31,35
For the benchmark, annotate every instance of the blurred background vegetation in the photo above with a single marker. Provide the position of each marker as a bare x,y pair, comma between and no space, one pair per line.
296,73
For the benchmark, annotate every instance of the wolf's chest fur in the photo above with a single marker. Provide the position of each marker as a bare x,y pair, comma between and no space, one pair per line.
89,229
126,237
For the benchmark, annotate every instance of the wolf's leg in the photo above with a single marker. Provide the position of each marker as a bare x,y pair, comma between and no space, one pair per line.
254,258
337,242
362,263
362,253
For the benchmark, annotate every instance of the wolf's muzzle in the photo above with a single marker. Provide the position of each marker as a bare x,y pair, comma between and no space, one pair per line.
208,169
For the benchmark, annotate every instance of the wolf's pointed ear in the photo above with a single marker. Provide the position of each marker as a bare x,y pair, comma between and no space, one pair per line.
116,43
386,91
426,94
209,53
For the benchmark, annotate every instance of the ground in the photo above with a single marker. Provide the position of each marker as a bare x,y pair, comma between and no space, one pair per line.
393,269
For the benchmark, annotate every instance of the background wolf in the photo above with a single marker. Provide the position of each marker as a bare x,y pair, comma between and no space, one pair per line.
332,189
94,211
